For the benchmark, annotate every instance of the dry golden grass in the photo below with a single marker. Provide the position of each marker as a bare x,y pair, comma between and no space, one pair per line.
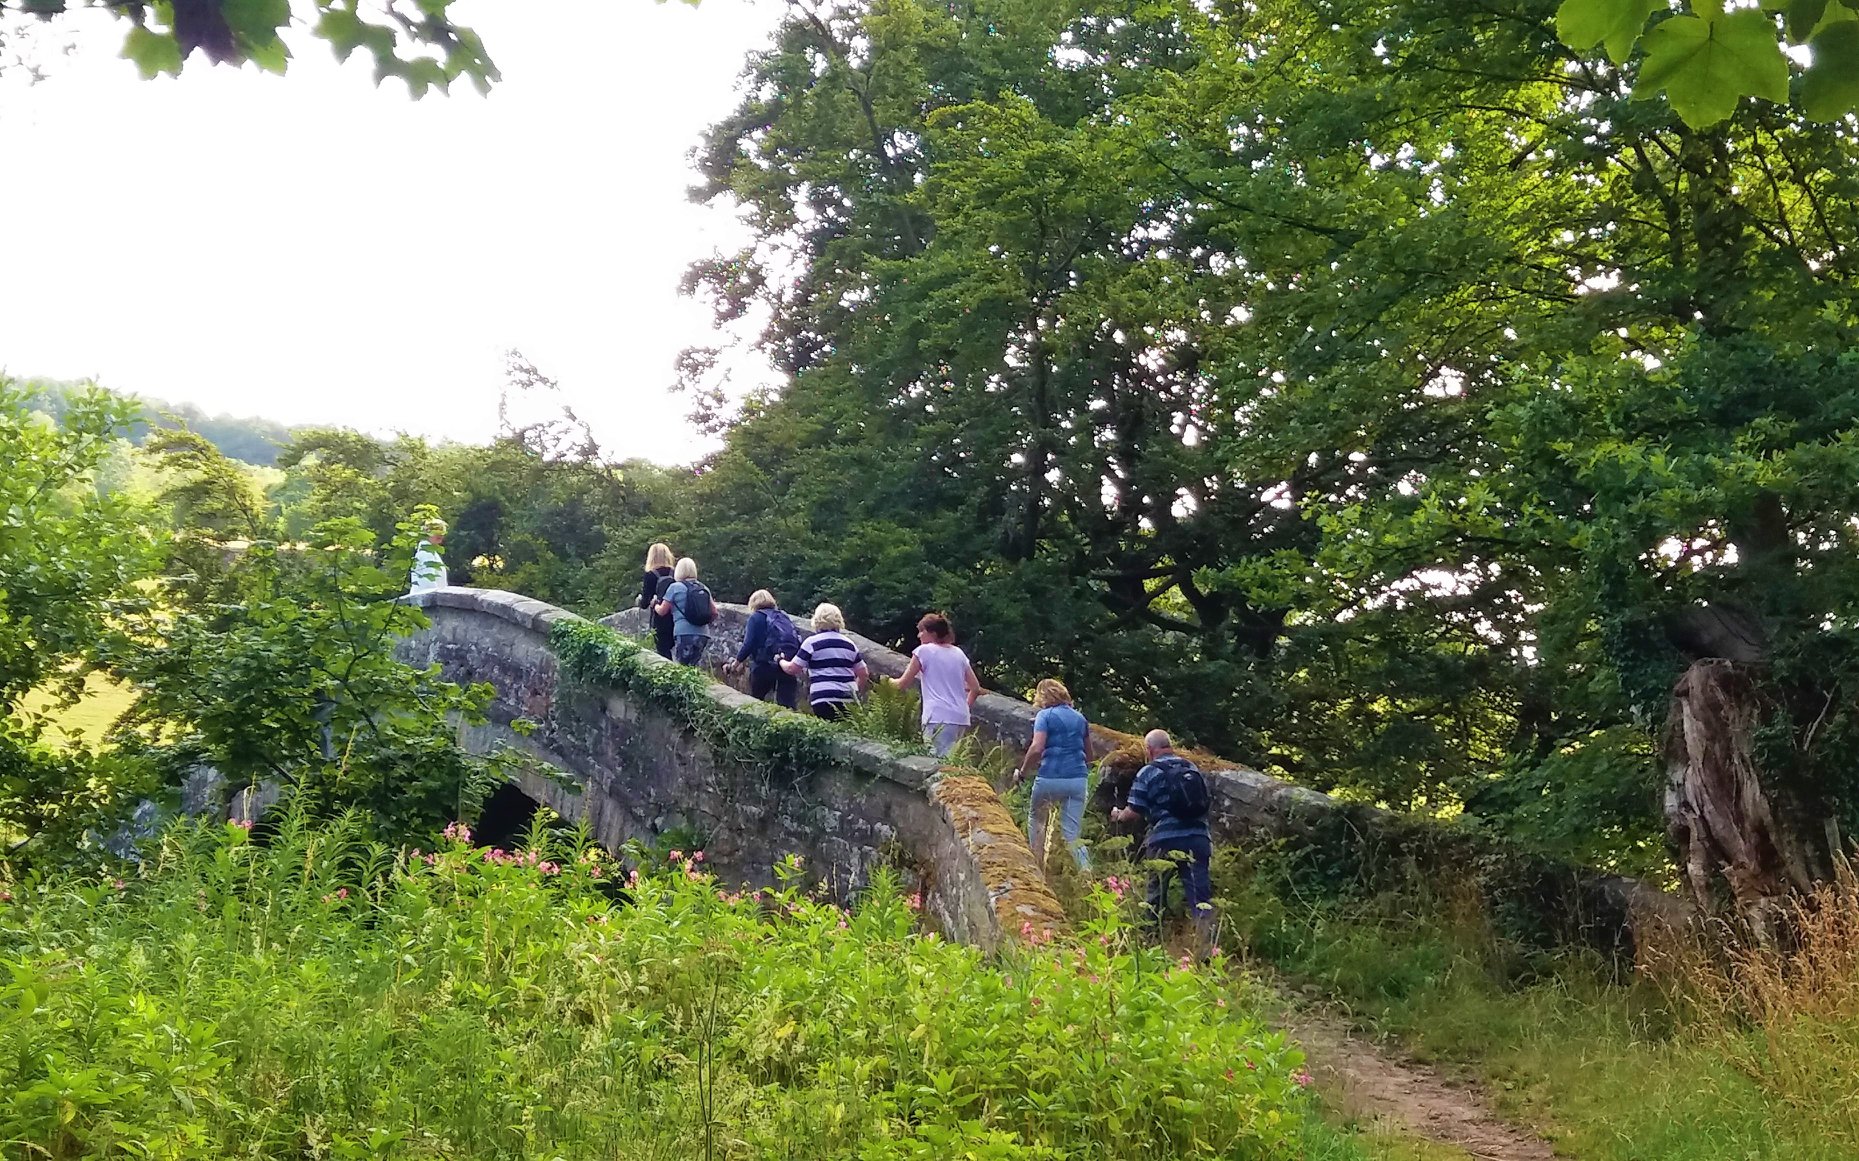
1785,1011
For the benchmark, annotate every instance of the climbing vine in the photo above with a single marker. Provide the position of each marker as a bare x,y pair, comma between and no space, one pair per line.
776,741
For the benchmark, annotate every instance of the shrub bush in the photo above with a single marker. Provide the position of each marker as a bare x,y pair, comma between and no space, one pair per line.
324,997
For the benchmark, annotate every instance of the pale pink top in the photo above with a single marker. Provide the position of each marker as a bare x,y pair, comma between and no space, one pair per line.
944,680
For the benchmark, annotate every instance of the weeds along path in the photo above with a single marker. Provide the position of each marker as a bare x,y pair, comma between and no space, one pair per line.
1368,1083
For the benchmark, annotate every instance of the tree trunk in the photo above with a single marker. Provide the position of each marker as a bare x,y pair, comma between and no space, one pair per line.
1720,818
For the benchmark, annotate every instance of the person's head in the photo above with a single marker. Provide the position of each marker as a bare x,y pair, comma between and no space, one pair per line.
761,599
828,617
686,570
1157,743
935,627
1051,692
434,530
658,556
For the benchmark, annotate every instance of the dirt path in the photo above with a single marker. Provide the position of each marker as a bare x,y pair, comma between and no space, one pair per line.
1374,1086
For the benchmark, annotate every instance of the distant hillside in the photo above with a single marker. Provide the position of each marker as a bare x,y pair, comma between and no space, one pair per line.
247,438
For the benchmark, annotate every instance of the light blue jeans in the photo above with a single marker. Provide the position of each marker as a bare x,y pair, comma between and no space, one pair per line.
1065,795
941,737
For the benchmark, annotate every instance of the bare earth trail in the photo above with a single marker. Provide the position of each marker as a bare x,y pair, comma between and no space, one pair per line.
1369,1084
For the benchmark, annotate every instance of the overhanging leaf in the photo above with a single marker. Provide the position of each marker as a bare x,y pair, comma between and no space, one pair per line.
1831,87
153,52
1582,24
1705,66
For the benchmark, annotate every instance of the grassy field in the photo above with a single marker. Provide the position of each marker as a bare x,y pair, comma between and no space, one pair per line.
90,718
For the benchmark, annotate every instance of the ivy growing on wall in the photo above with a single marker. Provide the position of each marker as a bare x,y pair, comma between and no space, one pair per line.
774,740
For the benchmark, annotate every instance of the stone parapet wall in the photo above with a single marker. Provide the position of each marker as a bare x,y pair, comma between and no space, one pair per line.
637,773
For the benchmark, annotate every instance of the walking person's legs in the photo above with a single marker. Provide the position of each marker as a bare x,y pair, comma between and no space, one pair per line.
690,650
1071,823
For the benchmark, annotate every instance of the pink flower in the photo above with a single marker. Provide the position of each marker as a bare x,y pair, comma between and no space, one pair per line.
632,877
674,856
1251,1067
1229,1074
118,884
342,892
6,896
1301,1078
1026,928
697,856
458,832
916,901
1037,1001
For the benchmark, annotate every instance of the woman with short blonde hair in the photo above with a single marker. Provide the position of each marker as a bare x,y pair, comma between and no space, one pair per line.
1051,692
768,639
689,638
1061,747
836,672
653,582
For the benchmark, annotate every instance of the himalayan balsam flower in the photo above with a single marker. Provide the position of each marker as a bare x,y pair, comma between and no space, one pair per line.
675,856
1302,1078
916,901
697,856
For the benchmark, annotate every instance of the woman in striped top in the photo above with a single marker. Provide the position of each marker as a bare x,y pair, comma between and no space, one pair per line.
836,673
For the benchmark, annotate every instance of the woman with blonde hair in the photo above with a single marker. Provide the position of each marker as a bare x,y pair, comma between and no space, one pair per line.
652,585
1060,748
767,640
689,605
836,673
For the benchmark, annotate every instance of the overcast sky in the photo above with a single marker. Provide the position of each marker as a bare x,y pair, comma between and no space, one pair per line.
313,249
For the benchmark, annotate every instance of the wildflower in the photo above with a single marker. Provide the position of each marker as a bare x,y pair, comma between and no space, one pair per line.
1301,1078
1007,981
632,877
458,832
119,885
1214,951
342,892
842,923
1251,1066
245,824
1037,1001
1187,961
1220,1002
1229,1074
6,896
675,856
1026,929
916,901
594,871
697,856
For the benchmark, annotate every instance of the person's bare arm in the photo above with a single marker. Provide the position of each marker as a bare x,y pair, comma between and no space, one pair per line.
909,676
1033,754
864,678
974,687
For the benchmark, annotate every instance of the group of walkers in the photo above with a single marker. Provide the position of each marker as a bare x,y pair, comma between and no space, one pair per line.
1163,801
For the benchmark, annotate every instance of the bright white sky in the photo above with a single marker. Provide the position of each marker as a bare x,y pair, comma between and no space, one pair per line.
310,248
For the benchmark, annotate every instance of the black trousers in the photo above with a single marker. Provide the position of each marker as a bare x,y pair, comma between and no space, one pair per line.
764,678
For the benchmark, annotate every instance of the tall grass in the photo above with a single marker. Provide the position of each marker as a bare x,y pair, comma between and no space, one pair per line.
1738,1056
312,997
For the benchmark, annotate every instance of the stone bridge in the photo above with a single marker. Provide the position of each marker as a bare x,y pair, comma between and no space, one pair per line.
634,772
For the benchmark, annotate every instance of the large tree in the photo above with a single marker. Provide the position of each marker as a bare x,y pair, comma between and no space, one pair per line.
1385,368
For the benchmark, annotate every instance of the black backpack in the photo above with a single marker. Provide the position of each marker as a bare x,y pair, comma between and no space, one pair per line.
698,608
1181,789
783,639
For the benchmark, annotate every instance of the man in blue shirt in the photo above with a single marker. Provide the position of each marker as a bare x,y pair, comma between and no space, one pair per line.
1179,838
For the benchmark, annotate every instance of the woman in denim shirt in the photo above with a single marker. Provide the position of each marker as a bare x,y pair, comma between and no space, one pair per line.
1061,745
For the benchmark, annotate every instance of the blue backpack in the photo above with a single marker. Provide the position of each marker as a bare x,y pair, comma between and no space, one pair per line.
1180,789
782,640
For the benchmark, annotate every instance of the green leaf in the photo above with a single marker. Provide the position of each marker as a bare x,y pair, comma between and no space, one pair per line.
1803,17
153,52
1582,24
1831,88
1706,66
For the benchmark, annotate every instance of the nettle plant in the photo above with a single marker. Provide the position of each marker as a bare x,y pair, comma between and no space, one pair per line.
320,996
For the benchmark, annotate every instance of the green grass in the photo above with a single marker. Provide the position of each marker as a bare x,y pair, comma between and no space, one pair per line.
86,721
317,997
1609,1072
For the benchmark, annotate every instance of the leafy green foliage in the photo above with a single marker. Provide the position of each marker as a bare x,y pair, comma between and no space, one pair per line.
1708,59
415,40
766,737
68,552
239,998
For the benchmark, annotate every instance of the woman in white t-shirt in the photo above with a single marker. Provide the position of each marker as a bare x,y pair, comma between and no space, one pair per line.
949,683
428,566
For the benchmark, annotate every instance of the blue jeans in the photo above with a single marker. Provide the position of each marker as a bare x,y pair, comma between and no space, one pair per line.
1191,857
1065,795
689,650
